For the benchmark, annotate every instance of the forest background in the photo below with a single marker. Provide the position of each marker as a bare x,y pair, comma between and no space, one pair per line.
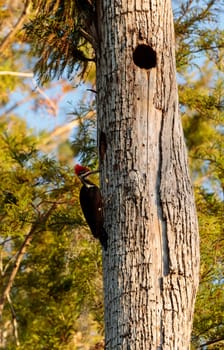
51,278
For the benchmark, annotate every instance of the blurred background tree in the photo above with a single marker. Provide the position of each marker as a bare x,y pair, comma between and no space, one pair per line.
49,264
200,48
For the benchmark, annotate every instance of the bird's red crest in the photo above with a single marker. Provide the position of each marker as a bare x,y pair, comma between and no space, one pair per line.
80,169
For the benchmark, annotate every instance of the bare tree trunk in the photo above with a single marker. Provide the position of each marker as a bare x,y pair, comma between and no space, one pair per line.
152,263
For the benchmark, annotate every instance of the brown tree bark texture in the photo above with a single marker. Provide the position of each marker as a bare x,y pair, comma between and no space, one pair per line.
151,267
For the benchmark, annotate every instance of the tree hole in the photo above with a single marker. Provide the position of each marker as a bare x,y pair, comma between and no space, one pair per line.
144,56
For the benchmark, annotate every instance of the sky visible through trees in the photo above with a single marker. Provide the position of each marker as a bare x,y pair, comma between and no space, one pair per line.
70,101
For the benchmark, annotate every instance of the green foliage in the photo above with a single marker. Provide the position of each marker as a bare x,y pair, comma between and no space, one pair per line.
84,142
7,83
208,320
203,117
60,35
11,47
56,287
59,276
194,23
202,106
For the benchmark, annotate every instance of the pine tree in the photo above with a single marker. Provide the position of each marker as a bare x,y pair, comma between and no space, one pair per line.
49,265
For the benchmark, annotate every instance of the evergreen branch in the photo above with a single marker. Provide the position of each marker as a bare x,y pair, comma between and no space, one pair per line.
207,48
185,26
22,251
16,27
64,40
209,342
15,269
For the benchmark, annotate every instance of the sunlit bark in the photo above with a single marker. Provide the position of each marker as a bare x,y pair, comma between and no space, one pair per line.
151,266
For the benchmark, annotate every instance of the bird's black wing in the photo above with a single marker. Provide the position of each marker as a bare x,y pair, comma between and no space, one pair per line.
92,207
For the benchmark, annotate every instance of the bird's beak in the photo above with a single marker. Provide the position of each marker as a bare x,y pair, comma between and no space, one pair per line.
90,173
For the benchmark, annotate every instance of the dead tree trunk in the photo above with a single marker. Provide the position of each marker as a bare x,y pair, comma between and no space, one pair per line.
152,263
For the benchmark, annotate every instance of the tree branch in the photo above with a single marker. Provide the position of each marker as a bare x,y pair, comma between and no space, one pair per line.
14,321
18,74
52,105
15,269
211,342
16,27
20,255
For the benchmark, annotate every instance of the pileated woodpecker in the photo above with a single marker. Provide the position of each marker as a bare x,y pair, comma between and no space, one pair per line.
91,204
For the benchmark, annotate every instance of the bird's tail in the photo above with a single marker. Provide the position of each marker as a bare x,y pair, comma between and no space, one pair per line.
104,238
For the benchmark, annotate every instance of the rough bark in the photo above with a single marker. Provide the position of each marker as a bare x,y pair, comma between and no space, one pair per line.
151,266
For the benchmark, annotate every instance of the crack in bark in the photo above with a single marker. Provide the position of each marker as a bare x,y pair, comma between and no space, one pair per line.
165,245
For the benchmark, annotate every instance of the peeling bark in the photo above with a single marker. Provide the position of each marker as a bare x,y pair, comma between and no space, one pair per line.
151,266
